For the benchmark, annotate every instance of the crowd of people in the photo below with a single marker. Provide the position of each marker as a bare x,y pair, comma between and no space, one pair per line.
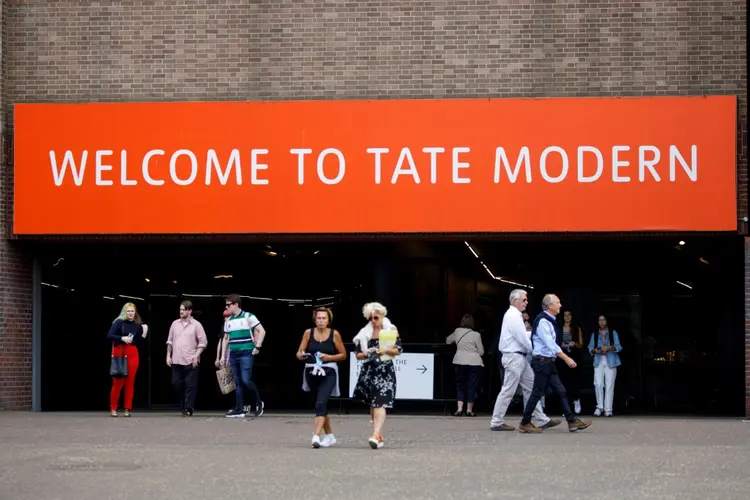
528,350
321,349
518,355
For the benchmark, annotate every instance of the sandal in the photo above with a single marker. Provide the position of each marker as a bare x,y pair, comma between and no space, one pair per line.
458,413
471,414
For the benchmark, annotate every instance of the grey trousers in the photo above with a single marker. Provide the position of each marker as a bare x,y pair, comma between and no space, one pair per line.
517,372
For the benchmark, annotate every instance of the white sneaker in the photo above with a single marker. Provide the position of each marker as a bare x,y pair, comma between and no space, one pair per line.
577,406
328,440
598,413
316,441
375,443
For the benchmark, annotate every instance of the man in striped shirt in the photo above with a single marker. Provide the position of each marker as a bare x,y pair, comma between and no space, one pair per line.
244,335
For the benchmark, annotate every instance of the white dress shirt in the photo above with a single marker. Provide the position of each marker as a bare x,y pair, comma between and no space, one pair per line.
513,334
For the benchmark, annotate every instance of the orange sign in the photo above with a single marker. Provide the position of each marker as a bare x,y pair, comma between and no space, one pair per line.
479,165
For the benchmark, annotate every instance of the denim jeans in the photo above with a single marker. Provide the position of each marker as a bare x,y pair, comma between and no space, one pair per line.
242,371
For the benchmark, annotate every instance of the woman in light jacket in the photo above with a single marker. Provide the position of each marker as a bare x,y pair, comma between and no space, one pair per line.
468,361
605,346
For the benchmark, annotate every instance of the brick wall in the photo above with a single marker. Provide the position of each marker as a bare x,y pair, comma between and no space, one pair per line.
15,281
303,49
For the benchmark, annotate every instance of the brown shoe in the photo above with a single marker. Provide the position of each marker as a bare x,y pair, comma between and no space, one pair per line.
552,423
529,428
579,425
503,427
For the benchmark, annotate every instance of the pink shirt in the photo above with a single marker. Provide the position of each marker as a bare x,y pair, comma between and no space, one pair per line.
186,337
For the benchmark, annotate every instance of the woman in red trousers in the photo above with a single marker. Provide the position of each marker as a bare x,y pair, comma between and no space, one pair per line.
126,334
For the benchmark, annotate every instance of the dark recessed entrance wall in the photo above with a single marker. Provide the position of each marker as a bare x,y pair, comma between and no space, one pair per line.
683,346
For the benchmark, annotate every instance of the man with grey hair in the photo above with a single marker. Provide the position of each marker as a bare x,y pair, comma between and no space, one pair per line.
515,346
544,334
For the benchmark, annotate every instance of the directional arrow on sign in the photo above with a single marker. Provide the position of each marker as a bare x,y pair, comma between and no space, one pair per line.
423,369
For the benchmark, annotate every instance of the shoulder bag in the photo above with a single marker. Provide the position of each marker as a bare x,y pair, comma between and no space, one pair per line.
118,366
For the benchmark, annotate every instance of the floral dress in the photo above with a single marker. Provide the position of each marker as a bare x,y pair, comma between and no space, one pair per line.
376,385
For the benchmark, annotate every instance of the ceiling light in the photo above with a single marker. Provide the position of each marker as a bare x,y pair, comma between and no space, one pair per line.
148,280
271,253
685,285
131,297
682,242
222,276
492,275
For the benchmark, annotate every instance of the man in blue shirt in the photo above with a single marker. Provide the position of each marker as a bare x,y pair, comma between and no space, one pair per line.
544,333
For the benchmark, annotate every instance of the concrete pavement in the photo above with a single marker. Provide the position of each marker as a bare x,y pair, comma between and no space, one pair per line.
86,456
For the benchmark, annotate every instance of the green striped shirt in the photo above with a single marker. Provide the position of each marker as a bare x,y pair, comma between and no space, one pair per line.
240,329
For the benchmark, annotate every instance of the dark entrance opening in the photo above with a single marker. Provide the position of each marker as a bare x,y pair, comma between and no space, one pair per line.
679,310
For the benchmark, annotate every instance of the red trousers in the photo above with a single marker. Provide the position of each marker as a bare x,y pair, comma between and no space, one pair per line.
128,382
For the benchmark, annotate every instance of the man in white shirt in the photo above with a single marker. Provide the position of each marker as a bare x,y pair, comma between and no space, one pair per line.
515,344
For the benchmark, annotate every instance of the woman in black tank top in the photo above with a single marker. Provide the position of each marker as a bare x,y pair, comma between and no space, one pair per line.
321,348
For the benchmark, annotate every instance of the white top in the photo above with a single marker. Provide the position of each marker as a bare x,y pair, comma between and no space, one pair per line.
513,334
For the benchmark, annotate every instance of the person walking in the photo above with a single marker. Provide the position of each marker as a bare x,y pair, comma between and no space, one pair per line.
127,333
322,349
378,343
244,337
515,346
544,334
185,344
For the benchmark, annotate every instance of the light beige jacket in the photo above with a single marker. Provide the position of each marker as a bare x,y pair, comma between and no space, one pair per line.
469,349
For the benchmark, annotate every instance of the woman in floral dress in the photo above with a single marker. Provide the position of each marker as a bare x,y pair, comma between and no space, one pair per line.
376,385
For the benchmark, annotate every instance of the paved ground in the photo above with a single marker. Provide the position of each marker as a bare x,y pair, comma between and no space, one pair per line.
162,456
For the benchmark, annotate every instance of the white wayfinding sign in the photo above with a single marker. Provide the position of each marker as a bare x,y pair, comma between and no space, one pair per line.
415,375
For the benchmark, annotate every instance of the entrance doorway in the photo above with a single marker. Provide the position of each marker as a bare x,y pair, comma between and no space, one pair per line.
683,341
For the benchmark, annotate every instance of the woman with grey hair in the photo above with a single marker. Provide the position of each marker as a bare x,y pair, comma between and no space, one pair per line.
378,343
468,361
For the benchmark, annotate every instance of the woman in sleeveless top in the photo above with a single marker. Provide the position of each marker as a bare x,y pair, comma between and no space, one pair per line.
376,384
572,343
321,349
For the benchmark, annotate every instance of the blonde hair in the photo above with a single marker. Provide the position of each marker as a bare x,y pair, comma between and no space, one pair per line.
123,316
373,307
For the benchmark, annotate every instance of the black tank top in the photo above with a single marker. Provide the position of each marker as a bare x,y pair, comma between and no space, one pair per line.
325,347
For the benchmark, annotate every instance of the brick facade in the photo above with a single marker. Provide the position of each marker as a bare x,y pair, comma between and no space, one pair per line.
238,50
15,277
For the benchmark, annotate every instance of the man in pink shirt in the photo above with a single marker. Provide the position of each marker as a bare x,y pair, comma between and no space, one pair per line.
185,343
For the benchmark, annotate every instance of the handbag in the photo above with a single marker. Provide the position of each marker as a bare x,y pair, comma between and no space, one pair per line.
225,379
118,366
